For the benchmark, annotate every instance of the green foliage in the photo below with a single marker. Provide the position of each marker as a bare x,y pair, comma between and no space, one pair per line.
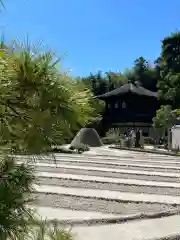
27,107
96,82
144,74
39,105
112,136
101,83
141,73
115,80
165,118
149,141
16,188
93,108
42,230
60,149
71,150
109,140
115,133
80,148
169,67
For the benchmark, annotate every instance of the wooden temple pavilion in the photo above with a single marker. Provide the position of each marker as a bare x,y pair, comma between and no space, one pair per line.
130,106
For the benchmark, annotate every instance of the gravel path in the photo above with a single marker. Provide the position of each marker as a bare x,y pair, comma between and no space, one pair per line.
109,186
81,194
98,159
111,162
97,205
108,174
126,166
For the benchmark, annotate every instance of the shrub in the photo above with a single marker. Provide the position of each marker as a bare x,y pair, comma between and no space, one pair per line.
80,148
149,140
15,188
60,149
113,136
109,140
41,230
38,105
113,133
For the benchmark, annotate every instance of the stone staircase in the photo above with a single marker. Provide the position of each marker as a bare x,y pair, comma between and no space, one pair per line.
108,187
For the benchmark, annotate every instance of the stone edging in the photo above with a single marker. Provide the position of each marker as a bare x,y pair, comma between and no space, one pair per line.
145,151
174,237
108,199
114,220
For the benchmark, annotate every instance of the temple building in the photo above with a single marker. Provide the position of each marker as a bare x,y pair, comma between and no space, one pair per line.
130,106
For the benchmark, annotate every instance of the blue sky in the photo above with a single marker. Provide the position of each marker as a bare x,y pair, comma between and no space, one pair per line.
96,34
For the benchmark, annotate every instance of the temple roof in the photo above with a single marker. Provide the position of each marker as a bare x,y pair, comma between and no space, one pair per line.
128,88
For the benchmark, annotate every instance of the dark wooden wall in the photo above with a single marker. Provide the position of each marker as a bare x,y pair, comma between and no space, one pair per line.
130,108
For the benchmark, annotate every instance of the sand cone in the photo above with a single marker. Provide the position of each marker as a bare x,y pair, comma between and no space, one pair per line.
87,136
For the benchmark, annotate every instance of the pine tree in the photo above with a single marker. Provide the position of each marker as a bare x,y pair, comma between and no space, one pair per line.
169,67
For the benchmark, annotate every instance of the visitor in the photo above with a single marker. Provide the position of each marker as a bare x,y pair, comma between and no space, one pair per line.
132,136
137,142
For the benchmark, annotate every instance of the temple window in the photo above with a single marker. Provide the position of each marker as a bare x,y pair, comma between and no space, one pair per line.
123,105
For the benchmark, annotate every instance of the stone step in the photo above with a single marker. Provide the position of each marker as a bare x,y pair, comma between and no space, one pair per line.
137,156
104,201
109,195
105,183
106,151
107,172
71,156
61,214
124,165
75,218
123,160
119,153
125,153
108,162
167,228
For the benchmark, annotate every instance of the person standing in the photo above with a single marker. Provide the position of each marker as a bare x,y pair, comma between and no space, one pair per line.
137,142
141,141
132,136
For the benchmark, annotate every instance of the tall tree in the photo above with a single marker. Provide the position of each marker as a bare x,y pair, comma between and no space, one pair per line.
165,118
169,67
96,82
37,103
144,74
115,80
